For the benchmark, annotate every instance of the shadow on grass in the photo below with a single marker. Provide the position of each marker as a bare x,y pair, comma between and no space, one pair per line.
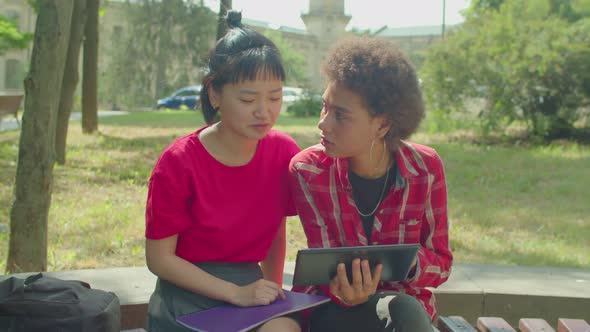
188,119
134,165
520,139
156,119
157,143
109,173
135,168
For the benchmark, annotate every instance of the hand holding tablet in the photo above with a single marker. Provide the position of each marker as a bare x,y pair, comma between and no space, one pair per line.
317,266
359,288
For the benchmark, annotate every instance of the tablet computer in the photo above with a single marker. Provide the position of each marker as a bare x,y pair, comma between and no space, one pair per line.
317,266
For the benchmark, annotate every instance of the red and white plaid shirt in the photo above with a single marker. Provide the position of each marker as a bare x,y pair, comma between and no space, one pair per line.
413,211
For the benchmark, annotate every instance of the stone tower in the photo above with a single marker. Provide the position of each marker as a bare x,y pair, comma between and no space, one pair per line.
326,21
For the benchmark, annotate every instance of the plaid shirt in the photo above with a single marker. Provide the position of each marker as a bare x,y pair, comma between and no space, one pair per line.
413,211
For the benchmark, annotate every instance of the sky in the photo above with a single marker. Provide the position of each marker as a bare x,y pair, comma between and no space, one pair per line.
366,14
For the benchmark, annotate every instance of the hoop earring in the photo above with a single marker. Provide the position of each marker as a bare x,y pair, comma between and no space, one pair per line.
371,151
382,158
376,168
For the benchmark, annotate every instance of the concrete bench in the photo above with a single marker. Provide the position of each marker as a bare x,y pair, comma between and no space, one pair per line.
472,291
9,105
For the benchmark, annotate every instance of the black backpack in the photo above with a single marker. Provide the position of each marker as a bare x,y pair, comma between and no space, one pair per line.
40,303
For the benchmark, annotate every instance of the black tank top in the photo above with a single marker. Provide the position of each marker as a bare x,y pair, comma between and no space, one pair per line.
366,194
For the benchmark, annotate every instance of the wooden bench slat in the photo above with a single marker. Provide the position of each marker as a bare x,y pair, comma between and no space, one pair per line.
534,325
493,324
454,324
572,325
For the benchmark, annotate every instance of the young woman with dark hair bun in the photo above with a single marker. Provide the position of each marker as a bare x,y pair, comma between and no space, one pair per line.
218,197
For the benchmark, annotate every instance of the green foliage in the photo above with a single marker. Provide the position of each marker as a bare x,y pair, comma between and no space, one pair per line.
527,61
293,61
34,4
310,105
162,47
10,37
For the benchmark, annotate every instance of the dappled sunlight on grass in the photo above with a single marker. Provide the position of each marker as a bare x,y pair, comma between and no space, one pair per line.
107,230
564,152
516,205
500,245
512,205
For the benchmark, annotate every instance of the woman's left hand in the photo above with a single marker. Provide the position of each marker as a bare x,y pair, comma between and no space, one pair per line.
364,283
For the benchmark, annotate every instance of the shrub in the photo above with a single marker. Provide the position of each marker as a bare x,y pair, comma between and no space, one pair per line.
309,105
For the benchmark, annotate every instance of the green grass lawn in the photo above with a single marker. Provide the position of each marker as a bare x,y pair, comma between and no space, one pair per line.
507,204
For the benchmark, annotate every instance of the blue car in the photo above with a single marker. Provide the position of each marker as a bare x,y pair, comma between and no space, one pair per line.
187,96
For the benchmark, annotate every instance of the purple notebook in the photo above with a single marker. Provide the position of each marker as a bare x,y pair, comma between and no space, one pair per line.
229,318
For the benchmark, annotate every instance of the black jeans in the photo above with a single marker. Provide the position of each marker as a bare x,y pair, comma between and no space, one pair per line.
384,312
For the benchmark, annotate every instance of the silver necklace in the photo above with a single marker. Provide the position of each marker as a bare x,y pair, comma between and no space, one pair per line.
378,202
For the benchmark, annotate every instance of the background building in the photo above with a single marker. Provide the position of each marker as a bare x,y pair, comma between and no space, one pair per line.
15,63
325,22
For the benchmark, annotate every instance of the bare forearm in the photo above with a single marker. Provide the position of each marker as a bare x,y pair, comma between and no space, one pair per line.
162,261
272,266
186,275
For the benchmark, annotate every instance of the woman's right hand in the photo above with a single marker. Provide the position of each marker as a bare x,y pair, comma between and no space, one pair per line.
261,292
364,283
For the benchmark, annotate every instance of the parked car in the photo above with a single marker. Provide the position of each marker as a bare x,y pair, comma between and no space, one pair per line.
188,96
291,95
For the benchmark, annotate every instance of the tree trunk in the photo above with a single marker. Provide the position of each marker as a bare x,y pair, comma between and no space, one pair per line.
90,70
161,50
224,7
34,171
70,80
160,78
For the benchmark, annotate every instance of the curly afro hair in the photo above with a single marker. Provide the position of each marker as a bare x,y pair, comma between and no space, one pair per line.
385,79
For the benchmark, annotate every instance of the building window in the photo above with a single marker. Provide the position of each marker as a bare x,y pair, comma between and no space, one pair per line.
117,30
117,36
15,73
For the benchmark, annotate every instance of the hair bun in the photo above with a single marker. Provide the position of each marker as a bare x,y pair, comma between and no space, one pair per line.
234,19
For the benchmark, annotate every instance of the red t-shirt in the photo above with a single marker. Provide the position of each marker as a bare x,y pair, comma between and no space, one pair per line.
220,213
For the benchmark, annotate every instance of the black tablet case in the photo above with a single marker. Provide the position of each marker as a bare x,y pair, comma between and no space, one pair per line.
317,266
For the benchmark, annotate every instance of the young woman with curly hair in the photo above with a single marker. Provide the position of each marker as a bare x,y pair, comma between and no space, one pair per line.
365,184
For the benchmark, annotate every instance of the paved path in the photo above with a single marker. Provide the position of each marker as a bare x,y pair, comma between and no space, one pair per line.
9,123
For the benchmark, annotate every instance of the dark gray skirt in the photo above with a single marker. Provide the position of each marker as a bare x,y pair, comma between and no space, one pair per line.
170,301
